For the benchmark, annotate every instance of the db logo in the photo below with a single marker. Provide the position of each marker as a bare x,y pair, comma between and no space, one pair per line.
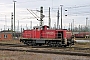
50,33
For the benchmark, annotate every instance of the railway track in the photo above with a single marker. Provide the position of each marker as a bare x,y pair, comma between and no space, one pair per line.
36,50
52,50
20,45
48,52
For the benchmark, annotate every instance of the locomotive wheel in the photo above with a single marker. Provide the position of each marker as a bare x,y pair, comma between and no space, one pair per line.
64,46
59,45
33,44
27,43
40,44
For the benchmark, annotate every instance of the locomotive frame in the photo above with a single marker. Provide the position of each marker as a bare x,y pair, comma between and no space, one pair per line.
45,36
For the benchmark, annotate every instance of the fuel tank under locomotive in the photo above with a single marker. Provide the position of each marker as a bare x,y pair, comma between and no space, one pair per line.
44,36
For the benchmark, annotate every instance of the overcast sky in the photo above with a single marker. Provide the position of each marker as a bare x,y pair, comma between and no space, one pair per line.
77,10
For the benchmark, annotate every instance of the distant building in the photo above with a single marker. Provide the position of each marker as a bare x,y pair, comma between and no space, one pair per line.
8,35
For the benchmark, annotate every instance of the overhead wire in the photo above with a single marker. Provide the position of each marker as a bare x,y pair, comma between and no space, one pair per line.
55,9
33,14
78,10
77,6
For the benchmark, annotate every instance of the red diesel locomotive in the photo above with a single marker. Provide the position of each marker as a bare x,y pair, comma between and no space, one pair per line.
45,36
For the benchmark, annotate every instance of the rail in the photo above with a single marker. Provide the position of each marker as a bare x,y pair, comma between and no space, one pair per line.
48,52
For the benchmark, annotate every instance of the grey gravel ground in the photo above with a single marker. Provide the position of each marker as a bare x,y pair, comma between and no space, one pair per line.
10,55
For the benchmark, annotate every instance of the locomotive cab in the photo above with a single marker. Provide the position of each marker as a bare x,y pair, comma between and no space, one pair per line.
45,27
60,34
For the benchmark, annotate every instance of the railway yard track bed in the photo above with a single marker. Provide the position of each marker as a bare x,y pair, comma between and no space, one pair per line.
74,50
49,52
